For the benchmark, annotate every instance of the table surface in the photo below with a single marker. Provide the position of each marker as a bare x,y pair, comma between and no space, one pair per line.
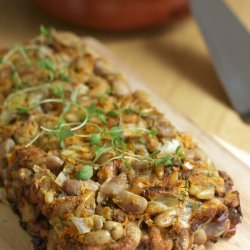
172,58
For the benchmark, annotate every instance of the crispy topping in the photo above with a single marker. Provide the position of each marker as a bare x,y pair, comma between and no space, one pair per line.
93,165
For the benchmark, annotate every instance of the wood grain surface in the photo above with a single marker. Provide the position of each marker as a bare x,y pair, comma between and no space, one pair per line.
172,59
12,237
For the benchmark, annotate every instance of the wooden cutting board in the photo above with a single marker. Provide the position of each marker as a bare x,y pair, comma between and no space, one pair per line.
12,237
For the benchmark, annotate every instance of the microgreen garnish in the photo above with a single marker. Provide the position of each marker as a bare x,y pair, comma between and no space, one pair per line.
153,132
16,48
99,150
34,139
17,80
112,142
116,131
128,111
117,142
108,92
179,152
85,173
91,108
58,91
63,133
23,51
95,139
96,111
44,31
155,153
25,110
47,64
113,113
22,110
167,159
100,115
179,155
63,76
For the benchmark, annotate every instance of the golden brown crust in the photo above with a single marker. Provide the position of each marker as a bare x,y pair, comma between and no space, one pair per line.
90,165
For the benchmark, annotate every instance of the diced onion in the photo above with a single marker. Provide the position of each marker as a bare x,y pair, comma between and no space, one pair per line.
188,165
91,185
81,225
170,146
61,178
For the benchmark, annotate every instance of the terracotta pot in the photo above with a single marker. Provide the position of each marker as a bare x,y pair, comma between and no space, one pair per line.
114,14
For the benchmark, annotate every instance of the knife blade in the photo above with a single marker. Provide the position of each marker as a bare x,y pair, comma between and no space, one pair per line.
228,42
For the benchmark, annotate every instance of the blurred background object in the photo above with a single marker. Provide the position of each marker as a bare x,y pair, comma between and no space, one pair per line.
230,57
115,14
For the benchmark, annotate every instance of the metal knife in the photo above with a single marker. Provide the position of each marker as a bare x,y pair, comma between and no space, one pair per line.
229,46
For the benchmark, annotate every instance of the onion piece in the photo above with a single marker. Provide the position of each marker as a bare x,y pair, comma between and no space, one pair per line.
61,178
91,185
170,146
188,166
81,225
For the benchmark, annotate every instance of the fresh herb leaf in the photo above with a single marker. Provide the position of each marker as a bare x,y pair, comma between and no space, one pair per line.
49,64
102,118
22,110
95,139
64,132
153,132
113,113
63,76
100,115
44,31
17,80
108,92
164,160
179,152
117,141
180,155
99,151
58,91
85,173
124,146
34,104
116,131
128,111
91,108
155,153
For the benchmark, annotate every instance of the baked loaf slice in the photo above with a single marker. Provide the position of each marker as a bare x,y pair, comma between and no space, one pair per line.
91,165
